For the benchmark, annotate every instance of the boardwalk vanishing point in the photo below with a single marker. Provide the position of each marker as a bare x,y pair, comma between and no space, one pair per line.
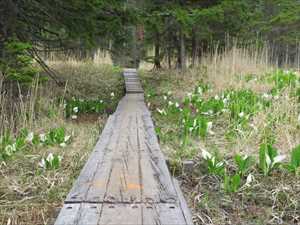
126,180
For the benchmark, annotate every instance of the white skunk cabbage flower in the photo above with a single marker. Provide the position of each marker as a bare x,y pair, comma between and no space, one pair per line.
279,158
249,180
42,137
170,103
206,155
42,163
209,128
29,137
241,114
67,138
63,144
75,109
199,90
219,164
161,111
50,157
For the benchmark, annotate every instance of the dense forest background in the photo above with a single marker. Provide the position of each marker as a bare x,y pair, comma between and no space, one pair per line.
174,31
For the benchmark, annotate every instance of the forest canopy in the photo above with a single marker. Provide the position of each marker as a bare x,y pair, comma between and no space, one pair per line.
175,29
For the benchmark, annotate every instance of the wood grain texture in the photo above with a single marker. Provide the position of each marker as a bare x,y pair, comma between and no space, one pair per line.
126,180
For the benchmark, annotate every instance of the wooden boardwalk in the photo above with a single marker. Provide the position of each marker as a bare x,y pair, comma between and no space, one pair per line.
126,180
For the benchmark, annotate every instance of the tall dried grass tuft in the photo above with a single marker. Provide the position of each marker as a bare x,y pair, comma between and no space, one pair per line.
223,68
21,106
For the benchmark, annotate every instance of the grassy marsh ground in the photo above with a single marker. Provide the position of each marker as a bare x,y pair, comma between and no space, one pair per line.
270,199
30,194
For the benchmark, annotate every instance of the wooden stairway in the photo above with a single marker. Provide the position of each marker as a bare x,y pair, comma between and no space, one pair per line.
126,180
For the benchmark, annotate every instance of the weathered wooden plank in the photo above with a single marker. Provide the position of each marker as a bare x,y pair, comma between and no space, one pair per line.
82,184
121,214
183,205
151,189
168,192
68,214
163,214
133,87
98,188
124,184
79,214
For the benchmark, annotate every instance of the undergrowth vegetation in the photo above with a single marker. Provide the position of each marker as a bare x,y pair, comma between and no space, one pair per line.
47,134
241,127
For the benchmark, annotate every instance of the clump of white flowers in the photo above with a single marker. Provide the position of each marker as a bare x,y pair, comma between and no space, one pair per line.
52,161
161,111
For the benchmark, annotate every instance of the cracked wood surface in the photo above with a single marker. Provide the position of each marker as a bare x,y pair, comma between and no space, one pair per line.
126,179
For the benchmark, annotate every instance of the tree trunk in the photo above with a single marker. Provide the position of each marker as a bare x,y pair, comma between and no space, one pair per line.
157,64
194,47
182,57
169,58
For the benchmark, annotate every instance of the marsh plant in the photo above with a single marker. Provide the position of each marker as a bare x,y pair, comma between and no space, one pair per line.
244,163
28,139
269,159
51,162
215,165
77,106
294,165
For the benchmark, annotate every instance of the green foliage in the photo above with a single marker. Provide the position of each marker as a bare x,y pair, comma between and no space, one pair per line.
77,106
56,136
283,79
269,158
243,104
232,183
7,147
18,63
294,164
243,163
26,140
196,126
214,164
